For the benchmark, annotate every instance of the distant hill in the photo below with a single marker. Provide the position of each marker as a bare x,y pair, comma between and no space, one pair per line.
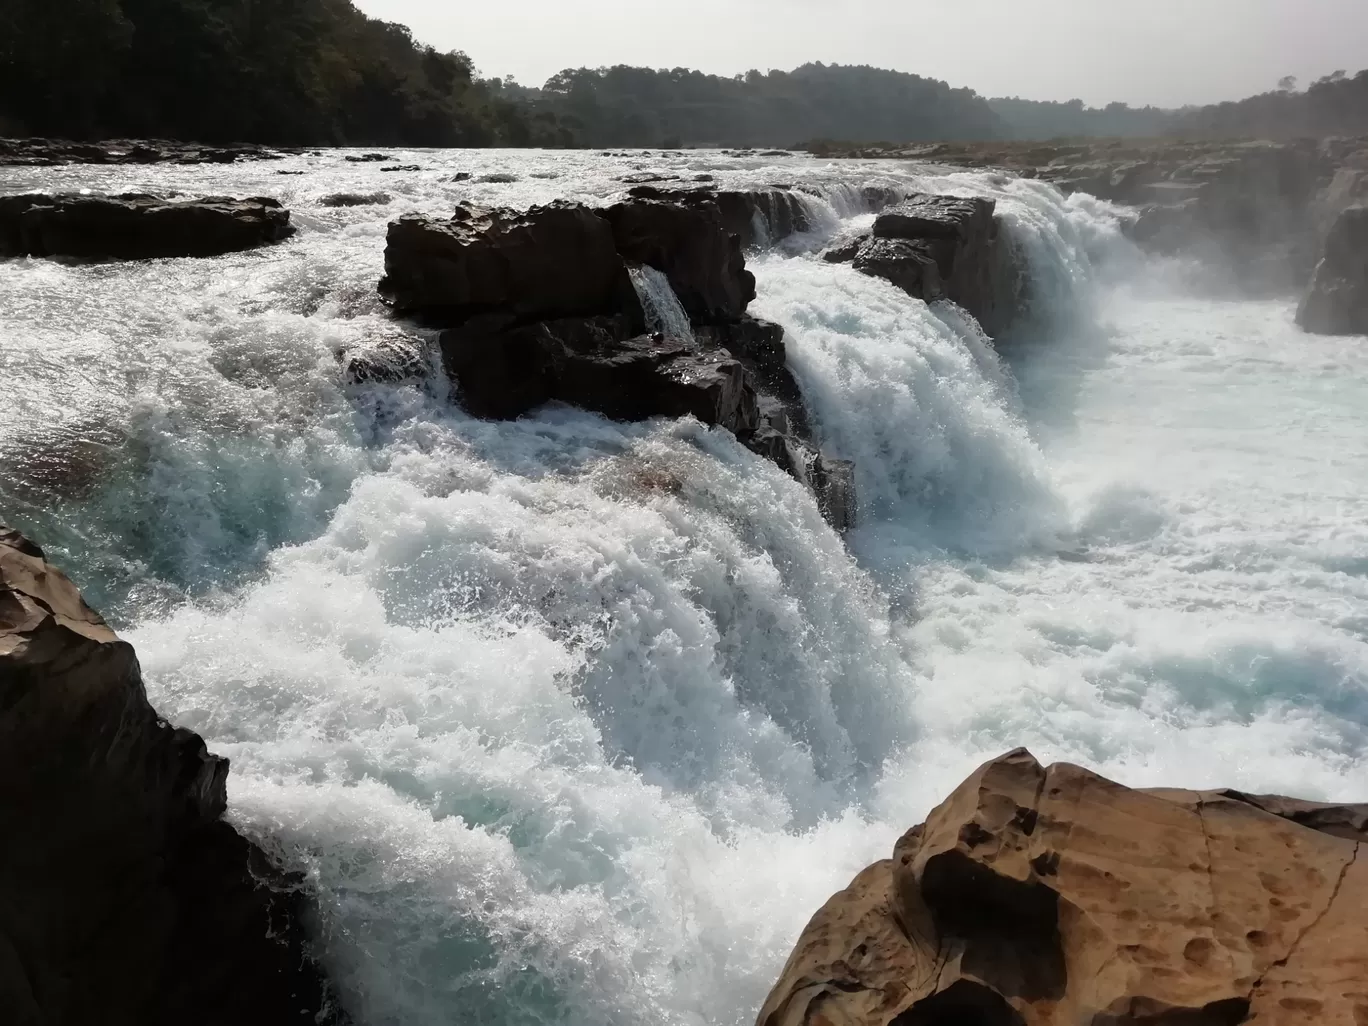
319,72
626,106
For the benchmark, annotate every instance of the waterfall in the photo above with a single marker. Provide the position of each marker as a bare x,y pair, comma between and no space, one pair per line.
664,314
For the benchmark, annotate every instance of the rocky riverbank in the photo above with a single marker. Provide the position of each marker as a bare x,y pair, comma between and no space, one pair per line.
125,897
57,152
1257,213
1039,896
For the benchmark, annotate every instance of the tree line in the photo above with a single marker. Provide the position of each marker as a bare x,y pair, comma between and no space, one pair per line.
280,72
319,72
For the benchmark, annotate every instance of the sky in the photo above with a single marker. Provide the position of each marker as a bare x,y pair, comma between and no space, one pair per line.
1164,52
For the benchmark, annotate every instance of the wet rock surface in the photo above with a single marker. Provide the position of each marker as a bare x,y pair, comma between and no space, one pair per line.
125,898
1038,896
1336,302
540,306
935,247
135,226
54,152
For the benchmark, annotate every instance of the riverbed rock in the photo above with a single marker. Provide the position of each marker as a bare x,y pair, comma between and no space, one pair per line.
134,226
551,261
600,364
53,152
1336,303
1039,896
691,246
125,898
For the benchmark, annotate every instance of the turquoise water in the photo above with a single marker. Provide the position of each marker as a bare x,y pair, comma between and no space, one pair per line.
579,722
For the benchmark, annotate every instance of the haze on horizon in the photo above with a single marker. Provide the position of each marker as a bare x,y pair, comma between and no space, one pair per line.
1162,52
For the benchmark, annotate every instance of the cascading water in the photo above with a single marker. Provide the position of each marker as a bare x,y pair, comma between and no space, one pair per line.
664,313
574,721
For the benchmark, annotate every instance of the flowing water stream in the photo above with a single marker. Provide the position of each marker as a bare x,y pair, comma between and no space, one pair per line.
578,722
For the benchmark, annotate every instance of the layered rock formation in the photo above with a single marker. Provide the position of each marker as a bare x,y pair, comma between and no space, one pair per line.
125,899
935,247
541,305
134,226
1052,897
1336,303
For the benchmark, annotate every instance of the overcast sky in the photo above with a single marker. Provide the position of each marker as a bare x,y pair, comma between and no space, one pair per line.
1166,52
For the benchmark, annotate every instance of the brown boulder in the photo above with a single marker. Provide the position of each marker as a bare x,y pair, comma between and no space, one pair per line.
1336,303
125,899
1051,896
552,261
134,226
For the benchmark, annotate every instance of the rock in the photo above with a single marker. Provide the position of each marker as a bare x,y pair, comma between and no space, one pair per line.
1051,897
694,250
385,360
910,265
355,199
135,226
50,152
1337,301
647,177
499,178
366,158
948,246
548,262
461,176
125,898
844,250
596,364
403,167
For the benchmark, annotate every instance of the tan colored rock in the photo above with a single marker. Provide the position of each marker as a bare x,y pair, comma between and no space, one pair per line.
1054,897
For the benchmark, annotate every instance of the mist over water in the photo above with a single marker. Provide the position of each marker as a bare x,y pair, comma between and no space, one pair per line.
578,722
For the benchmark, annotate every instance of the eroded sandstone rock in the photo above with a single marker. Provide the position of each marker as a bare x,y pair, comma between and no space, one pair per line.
1039,896
125,899
134,226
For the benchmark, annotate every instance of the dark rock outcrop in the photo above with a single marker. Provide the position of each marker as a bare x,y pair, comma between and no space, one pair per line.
355,199
539,305
691,245
1051,896
134,226
52,152
935,247
125,899
1337,301
557,260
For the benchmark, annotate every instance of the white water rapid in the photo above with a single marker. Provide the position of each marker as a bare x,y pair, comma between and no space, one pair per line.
578,722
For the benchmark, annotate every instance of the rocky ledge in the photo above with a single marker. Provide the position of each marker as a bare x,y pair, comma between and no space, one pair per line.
634,310
1052,896
1336,303
125,898
135,226
944,247
51,152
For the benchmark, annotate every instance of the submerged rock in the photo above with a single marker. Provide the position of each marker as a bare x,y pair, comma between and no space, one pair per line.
51,152
125,898
134,226
355,199
1336,303
1051,896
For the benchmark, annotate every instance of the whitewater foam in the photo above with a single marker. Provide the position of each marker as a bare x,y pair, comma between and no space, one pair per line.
578,721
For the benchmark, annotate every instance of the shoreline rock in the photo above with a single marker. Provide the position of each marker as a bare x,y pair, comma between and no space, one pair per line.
125,898
1336,302
136,226
56,152
1039,896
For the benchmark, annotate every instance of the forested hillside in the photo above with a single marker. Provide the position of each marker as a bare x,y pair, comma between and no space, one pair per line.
318,72
626,106
284,72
